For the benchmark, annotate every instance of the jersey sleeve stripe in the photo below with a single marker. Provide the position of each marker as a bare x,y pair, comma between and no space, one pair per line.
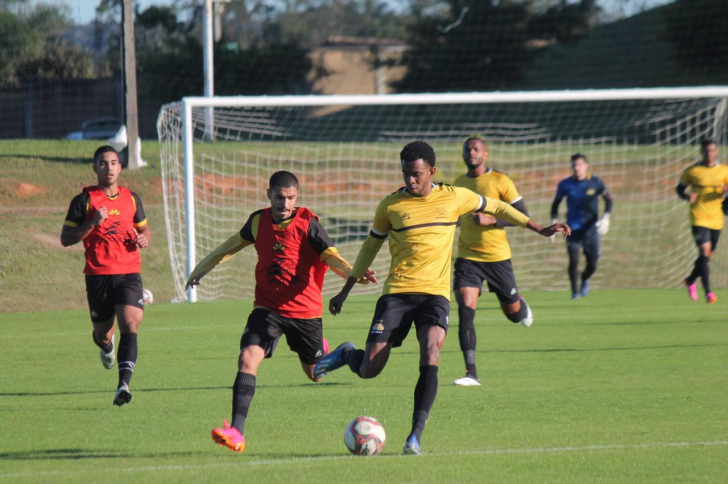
141,224
516,200
68,223
481,206
377,235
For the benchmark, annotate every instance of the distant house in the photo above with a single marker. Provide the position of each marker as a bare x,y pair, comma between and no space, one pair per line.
351,65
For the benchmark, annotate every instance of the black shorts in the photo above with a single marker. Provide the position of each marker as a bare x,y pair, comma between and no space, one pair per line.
395,314
304,336
104,292
704,234
499,276
584,238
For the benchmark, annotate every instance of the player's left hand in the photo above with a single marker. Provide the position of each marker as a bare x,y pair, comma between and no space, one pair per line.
603,224
564,229
369,277
483,220
141,240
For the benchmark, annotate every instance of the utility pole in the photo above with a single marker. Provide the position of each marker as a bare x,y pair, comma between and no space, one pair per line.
131,114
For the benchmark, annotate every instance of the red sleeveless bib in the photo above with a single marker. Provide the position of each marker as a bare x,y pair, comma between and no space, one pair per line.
289,274
110,247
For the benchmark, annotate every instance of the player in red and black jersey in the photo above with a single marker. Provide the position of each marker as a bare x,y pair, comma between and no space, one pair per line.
294,253
110,221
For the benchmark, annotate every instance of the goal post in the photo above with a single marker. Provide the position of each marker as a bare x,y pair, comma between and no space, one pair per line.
344,149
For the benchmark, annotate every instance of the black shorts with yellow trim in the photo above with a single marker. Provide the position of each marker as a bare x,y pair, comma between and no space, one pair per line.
499,276
395,313
105,292
704,234
304,336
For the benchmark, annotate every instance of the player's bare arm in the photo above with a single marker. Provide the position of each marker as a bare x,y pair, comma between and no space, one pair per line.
336,302
143,237
74,235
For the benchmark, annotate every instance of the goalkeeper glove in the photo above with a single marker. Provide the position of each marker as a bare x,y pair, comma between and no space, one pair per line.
603,224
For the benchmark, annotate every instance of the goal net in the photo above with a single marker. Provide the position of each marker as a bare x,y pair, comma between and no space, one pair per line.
217,155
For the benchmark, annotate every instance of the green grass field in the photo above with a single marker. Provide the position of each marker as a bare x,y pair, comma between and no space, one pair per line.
623,386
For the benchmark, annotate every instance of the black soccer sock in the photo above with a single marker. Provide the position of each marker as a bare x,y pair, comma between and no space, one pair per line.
127,356
590,269
704,272
519,315
425,393
107,348
243,392
466,333
574,269
354,359
696,272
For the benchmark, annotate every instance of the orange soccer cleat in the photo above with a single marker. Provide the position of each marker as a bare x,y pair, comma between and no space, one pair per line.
711,298
230,437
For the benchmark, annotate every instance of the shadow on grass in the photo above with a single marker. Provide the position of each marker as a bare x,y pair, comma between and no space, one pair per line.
306,384
82,454
51,159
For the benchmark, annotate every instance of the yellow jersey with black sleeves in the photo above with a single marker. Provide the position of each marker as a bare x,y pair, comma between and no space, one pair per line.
421,232
708,183
489,243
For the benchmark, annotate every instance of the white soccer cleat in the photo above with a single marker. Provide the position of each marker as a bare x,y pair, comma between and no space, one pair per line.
108,359
466,381
123,395
528,320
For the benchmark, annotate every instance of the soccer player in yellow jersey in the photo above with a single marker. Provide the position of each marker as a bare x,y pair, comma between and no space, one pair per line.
420,220
484,254
708,182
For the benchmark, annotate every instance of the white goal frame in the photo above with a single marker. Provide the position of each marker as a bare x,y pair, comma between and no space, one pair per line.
188,103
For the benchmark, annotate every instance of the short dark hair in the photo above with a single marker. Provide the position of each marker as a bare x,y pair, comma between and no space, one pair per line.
576,156
418,150
707,142
283,179
476,138
102,150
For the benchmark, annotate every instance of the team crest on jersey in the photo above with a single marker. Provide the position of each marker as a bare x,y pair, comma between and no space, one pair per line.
591,192
114,211
377,326
279,246
441,212
405,216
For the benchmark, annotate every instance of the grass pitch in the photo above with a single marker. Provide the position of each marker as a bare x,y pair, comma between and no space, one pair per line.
623,386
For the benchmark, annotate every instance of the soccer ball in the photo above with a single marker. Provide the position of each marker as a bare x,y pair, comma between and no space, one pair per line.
148,296
364,436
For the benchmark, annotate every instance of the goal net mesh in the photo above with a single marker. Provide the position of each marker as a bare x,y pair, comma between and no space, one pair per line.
347,159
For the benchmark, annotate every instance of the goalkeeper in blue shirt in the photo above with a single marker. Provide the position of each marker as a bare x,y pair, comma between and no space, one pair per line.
582,192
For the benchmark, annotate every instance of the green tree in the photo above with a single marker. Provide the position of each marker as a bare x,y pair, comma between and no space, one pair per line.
698,31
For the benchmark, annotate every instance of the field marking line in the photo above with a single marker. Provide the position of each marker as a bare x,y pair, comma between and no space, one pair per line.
303,460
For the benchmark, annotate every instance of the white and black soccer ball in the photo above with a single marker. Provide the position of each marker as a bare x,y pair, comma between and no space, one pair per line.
364,436
148,296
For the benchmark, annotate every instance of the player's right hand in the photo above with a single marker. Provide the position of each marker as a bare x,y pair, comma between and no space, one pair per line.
556,228
195,281
99,217
552,239
336,302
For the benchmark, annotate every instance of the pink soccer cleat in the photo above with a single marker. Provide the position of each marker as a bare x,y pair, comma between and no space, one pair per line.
692,290
229,437
326,347
711,298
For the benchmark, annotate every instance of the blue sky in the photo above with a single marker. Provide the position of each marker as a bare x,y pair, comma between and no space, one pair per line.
83,11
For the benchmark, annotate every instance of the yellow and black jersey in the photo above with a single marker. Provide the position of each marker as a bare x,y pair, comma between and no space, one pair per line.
486,244
421,231
708,183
